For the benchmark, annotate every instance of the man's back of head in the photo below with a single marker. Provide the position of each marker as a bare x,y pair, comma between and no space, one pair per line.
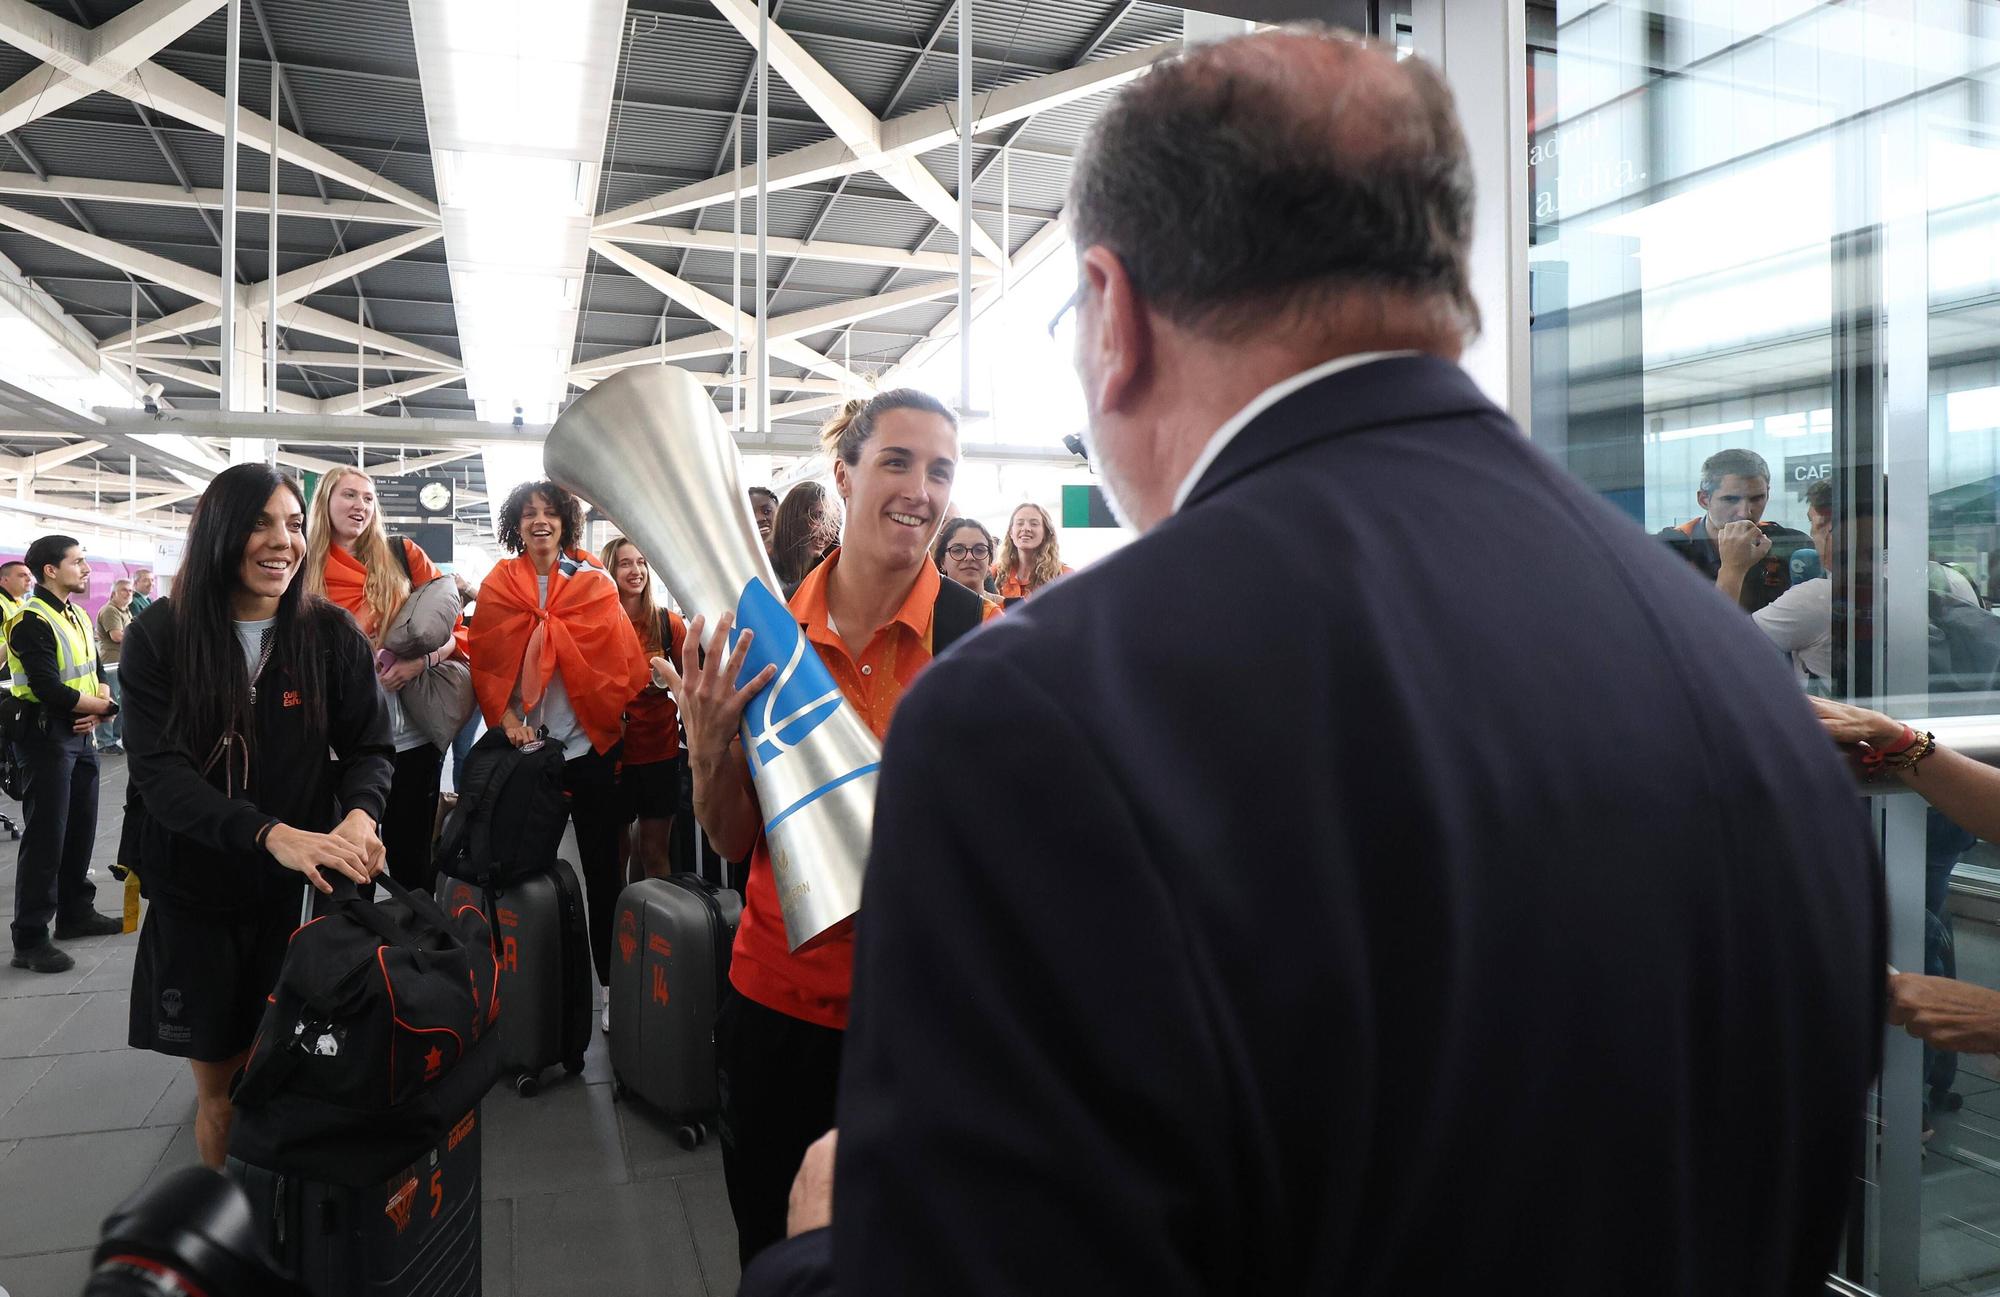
1247,212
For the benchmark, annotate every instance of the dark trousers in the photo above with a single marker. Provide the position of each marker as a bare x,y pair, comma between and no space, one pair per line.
410,815
778,1077
597,814
59,807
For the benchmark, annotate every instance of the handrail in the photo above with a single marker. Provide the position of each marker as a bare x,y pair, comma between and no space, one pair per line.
1977,737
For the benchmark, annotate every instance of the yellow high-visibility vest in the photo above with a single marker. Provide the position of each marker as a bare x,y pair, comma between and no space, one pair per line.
76,651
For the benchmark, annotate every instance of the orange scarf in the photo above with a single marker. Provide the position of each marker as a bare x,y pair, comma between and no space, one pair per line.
584,633
347,585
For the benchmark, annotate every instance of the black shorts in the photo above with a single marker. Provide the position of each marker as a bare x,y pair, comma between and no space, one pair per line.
199,981
651,791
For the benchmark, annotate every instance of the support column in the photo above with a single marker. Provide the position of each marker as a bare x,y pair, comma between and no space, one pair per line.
1482,50
245,376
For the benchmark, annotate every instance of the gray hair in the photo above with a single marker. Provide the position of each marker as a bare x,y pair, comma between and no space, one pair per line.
1238,202
120,581
1732,463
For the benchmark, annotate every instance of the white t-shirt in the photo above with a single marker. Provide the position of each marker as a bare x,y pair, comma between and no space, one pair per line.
250,634
554,711
1800,621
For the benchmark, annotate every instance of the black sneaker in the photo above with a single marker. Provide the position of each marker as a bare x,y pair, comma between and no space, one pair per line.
97,925
45,958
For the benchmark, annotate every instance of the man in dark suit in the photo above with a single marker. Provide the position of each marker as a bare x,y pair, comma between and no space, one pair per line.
1376,926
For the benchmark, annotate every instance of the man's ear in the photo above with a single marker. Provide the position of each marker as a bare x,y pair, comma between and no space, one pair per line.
1702,498
1119,338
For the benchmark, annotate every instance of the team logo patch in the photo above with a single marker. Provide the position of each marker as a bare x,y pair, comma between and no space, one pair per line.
292,698
433,1064
628,935
170,1002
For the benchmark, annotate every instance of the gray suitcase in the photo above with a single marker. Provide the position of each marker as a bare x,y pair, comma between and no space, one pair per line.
542,940
669,962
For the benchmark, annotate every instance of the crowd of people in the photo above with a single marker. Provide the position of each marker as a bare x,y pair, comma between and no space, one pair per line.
1276,950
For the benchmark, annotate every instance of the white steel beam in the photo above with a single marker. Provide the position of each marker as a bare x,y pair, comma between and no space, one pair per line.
305,206
173,94
48,459
1034,252
747,418
718,312
324,324
176,275
292,286
852,123
343,360
79,61
208,382
307,280
907,136
853,254
356,402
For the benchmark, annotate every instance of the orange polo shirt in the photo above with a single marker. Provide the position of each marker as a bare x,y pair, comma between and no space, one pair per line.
1010,586
814,986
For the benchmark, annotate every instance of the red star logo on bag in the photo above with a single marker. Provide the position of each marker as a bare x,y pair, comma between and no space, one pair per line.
433,1063
628,935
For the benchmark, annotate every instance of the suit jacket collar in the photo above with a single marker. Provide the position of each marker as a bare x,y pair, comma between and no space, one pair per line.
1401,389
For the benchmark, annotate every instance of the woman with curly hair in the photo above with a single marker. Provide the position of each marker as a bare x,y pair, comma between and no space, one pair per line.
555,659
1030,557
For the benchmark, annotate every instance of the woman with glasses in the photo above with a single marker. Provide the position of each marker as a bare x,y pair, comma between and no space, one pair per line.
1030,557
964,554
808,526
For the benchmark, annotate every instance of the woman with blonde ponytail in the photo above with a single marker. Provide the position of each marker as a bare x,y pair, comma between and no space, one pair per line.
349,560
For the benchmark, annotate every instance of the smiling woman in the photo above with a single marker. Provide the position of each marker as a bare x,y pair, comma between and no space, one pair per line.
876,611
260,749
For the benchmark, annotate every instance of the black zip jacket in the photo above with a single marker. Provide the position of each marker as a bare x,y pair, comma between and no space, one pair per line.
198,848
34,642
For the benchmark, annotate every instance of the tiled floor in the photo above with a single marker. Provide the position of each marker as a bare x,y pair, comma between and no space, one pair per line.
583,1195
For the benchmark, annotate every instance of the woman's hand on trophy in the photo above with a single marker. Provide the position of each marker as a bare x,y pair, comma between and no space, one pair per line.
711,705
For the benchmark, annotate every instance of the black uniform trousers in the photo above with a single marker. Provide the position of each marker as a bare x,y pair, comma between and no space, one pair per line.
410,817
59,810
778,1076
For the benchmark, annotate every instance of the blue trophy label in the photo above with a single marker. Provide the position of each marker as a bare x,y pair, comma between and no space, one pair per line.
802,696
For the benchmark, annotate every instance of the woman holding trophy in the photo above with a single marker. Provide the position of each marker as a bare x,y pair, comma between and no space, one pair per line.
869,611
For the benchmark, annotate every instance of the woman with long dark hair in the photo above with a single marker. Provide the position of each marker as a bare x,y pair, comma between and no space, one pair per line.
807,529
260,748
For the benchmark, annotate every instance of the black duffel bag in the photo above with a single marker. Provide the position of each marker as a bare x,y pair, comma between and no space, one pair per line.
382,1032
510,815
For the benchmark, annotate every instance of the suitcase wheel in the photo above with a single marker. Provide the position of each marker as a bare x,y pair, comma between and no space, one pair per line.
573,1065
689,1137
527,1085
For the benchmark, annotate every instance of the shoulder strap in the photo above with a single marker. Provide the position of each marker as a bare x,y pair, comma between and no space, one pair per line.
399,546
471,821
955,614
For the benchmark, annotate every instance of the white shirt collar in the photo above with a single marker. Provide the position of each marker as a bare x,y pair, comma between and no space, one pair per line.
1222,436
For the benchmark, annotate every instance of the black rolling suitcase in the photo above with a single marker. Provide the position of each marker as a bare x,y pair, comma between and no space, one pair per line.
416,1234
669,962
542,941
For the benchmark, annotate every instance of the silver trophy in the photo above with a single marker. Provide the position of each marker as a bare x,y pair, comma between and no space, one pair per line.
647,447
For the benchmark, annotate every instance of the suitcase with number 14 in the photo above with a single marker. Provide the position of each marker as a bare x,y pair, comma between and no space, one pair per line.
669,962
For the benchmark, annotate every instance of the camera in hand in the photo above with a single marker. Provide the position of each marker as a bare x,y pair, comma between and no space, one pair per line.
190,1233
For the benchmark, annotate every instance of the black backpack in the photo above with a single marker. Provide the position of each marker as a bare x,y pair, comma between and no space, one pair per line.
510,815
378,1038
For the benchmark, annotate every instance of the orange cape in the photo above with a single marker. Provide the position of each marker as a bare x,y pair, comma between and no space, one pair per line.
347,585
583,632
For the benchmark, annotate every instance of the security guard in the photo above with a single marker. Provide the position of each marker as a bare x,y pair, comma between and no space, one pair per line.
15,583
52,659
